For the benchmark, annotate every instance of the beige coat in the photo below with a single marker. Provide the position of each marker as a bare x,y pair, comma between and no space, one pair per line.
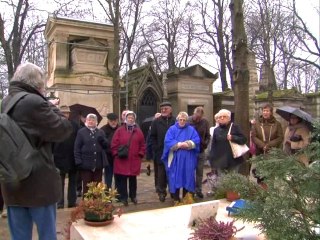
267,132
298,129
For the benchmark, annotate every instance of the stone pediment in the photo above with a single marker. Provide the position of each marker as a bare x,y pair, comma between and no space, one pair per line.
195,71
91,43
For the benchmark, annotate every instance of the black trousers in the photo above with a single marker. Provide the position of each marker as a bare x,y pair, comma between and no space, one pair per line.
72,187
121,182
176,195
162,179
88,176
155,168
1,200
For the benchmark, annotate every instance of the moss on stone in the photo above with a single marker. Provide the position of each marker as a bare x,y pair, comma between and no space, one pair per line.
287,93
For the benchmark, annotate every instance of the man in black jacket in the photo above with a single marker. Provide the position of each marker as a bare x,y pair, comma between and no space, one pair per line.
159,129
109,129
202,126
64,160
33,200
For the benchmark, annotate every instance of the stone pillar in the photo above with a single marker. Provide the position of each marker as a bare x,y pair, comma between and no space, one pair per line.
62,53
165,87
253,83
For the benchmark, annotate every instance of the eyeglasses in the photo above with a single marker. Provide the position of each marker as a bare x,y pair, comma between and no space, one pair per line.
182,120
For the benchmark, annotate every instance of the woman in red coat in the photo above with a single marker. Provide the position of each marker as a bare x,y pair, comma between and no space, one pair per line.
128,168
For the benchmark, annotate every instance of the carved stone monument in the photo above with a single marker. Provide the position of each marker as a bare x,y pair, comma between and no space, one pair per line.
80,61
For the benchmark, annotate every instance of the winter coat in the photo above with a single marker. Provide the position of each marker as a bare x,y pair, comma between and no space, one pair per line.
296,137
43,124
109,132
89,149
221,153
64,152
159,128
202,127
267,132
130,166
181,163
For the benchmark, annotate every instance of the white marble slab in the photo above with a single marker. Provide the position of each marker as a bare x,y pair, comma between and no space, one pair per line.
159,224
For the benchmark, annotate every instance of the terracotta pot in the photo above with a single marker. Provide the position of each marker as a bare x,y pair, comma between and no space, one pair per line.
232,196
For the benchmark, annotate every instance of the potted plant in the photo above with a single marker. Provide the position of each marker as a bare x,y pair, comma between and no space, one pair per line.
211,229
97,206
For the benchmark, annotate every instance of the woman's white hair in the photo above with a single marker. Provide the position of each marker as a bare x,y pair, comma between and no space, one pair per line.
182,114
224,112
30,74
92,116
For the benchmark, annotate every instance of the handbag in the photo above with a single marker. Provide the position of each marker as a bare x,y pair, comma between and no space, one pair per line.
237,149
123,150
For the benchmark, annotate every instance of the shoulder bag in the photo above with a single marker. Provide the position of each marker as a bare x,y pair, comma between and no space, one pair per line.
123,150
237,149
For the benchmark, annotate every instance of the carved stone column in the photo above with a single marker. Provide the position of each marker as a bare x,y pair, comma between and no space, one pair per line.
62,53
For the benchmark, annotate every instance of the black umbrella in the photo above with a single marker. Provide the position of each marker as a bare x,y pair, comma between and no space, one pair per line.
148,120
78,110
146,123
286,111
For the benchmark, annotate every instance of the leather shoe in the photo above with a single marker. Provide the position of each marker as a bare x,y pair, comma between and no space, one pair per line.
162,197
72,205
134,200
60,206
125,203
199,194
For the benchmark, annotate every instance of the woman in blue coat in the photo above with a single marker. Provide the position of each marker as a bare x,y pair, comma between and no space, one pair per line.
181,147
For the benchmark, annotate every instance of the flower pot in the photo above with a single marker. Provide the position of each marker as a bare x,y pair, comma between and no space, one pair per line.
232,196
94,217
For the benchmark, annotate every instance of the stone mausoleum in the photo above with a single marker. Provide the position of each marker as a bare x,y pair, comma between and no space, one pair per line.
80,56
80,61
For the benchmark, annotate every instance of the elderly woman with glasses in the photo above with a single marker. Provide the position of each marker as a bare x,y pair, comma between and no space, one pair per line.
221,154
181,147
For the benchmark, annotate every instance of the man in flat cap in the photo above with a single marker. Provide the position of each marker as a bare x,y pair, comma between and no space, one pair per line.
159,129
109,129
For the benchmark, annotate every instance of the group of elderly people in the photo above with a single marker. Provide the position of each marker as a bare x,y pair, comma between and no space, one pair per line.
177,145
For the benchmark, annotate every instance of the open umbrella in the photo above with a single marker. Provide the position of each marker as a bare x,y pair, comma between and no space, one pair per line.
78,110
146,123
286,111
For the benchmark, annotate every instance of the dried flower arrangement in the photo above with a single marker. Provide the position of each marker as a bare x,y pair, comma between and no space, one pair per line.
211,229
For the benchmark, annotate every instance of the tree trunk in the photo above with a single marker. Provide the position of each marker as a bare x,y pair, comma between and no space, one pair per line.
240,68
116,67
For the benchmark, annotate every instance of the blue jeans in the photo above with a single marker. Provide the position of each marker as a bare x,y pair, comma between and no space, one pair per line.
21,219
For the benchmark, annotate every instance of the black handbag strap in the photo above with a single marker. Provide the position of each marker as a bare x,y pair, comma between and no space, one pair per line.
129,142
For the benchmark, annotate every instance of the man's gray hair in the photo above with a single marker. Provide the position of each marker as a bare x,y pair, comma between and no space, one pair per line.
30,74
